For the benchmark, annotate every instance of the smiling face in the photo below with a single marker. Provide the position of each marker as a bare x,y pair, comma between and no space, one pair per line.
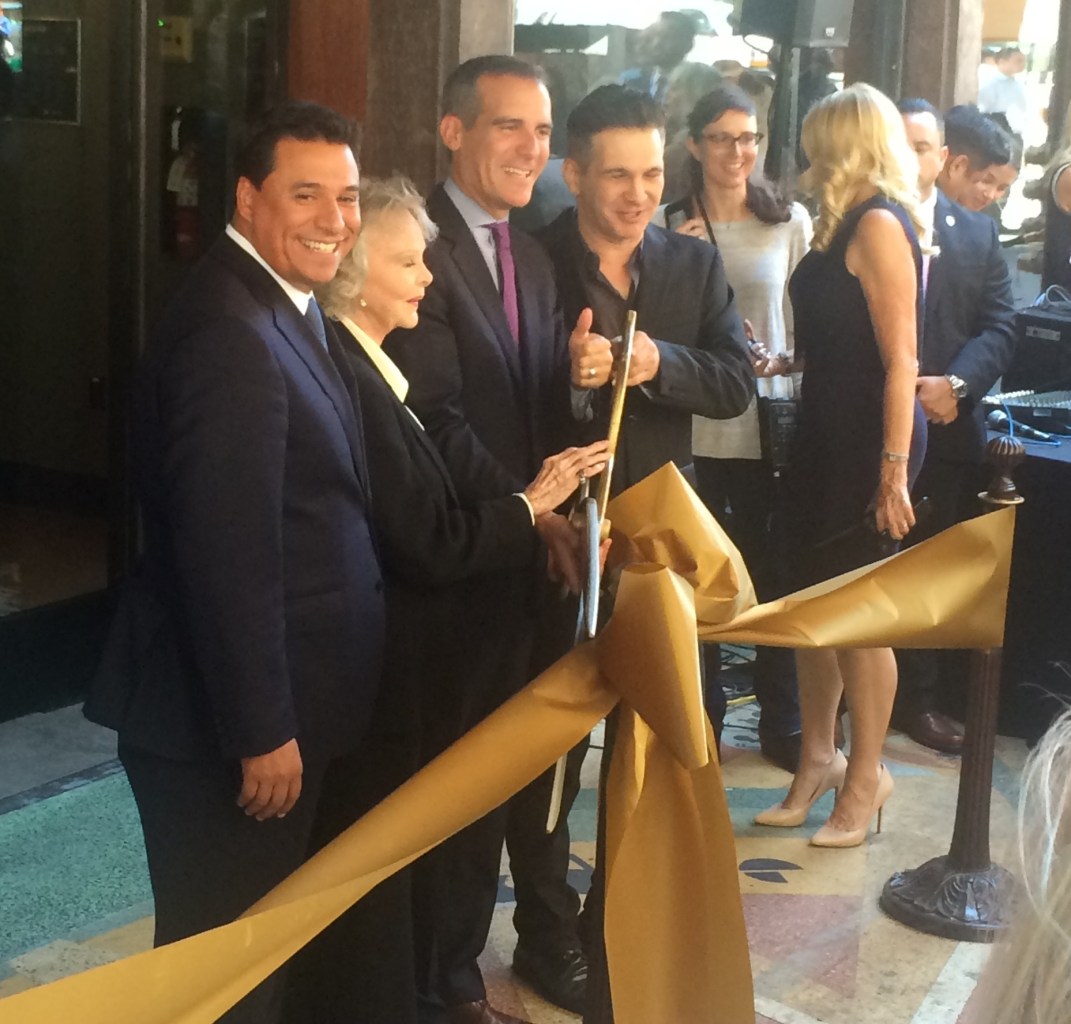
726,164
497,158
976,189
620,187
304,217
397,276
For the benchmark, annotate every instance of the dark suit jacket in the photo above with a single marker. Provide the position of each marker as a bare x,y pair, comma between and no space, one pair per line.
257,614
969,327
442,562
494,409
685,304
427,538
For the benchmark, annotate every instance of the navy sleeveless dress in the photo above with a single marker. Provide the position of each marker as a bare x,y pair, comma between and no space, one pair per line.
837,456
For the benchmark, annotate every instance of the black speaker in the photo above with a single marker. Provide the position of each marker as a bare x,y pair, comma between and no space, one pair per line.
798,22
1042,360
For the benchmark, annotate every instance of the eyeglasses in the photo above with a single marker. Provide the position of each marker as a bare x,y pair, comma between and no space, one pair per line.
723,140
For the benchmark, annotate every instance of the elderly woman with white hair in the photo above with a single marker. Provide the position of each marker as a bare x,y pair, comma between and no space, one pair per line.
437,548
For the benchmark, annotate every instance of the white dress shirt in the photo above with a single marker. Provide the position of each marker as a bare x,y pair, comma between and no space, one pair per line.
296,295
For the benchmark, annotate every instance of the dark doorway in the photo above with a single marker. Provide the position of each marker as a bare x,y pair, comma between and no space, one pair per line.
117,129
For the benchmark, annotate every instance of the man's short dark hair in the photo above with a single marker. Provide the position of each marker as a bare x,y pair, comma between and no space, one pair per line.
682,22
968,132
609,106
916,105
1008,52
306,122
461,97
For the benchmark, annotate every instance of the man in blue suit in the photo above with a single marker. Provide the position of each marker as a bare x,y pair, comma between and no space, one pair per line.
967,341
245,656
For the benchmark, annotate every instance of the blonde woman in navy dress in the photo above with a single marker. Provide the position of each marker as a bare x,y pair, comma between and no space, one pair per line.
856,298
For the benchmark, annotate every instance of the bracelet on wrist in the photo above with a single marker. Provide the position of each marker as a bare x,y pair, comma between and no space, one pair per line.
887,456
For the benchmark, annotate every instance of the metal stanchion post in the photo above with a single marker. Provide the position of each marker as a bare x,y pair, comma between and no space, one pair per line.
964,895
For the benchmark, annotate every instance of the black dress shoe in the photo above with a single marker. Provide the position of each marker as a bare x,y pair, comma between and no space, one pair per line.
936,731
480,1012
783,751
560,978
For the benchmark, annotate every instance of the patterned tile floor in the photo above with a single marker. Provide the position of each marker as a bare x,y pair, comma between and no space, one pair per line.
821,949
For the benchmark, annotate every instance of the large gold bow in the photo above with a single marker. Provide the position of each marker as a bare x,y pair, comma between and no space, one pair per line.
675,937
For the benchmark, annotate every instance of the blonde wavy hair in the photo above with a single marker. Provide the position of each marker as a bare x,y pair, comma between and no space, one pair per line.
378,196
1028,977
854,139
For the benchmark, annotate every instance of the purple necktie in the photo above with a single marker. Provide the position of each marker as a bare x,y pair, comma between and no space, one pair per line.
500,233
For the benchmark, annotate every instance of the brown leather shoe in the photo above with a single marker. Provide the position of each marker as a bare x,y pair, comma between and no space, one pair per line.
481,1012
936,731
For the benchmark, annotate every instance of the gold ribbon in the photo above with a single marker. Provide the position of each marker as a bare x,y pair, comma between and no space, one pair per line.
675,937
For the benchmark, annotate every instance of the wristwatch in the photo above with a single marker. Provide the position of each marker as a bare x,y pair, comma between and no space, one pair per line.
959,386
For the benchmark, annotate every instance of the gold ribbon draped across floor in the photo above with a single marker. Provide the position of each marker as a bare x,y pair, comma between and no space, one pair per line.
675,936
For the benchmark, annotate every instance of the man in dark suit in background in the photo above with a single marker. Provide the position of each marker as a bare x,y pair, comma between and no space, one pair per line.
488,372
245,657
967,341
690,353
982,160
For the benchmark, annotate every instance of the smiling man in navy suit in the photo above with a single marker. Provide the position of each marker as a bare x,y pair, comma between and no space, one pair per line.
245,656
967,340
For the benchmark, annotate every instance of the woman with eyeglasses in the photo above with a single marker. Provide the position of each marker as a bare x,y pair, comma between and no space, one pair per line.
761,238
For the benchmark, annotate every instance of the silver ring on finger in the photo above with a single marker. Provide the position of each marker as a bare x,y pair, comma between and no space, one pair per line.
591,372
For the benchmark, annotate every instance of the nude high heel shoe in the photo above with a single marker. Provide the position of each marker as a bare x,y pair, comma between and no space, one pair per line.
835,838
780,816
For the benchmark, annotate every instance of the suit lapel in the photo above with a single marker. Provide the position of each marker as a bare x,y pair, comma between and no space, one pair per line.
943,235
299,336
455,235
654,280
410,425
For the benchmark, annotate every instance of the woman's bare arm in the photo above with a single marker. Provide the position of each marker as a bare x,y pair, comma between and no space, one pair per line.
879,255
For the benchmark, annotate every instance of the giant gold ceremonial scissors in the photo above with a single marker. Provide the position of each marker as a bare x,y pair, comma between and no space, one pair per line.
591,511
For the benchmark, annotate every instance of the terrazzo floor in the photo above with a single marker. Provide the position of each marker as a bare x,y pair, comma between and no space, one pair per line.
74,891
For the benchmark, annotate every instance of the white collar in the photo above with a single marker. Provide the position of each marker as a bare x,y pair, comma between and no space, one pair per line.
927,210
296,296
386,366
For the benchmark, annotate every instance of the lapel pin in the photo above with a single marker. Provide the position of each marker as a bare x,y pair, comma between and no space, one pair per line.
950,221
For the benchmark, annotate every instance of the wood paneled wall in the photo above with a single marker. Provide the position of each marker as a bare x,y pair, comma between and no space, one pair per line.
383,62
327,59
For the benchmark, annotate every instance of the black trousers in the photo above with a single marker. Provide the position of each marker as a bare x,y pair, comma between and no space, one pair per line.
208,862
936,680
360,969
741,494
547,905
455,886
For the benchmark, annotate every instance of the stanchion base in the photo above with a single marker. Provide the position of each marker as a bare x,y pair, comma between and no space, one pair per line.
940,899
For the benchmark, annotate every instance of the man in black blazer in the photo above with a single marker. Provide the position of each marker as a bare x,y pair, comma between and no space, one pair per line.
488,373
967,341
690,353
245,656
